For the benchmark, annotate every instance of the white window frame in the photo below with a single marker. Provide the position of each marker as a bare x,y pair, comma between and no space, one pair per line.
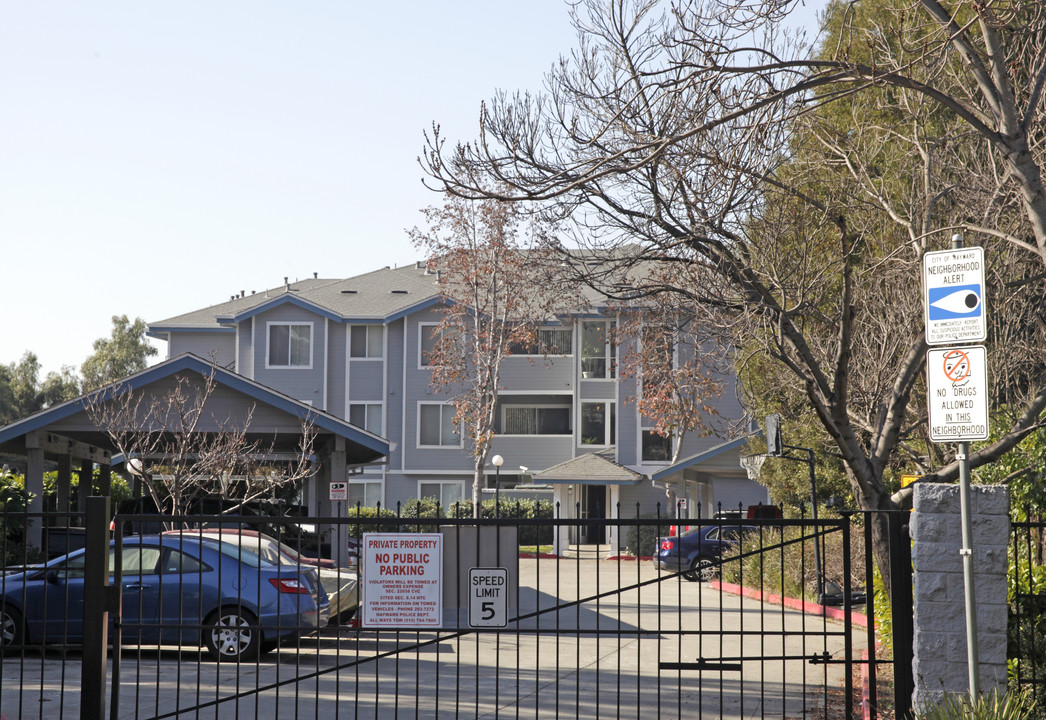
610,408
367,355
446,407
646,426
268,342
505,408
367,407
609,349
357,480
560,328
423,327
442,484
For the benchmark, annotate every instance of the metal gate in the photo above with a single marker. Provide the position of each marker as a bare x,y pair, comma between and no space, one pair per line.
591,632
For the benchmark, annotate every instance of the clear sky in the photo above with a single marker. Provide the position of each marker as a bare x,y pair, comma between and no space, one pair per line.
158,157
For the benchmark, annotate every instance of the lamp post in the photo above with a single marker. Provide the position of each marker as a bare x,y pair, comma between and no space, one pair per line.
497,461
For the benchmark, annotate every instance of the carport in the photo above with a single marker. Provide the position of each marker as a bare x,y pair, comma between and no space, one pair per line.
65,437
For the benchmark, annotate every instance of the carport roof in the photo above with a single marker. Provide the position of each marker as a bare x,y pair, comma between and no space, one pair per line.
699,458
362,446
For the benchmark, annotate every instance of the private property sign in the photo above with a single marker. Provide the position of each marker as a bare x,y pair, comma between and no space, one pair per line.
953,281
957,383
402,580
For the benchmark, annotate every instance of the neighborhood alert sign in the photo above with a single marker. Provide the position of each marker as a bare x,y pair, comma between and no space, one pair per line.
402,579
953,281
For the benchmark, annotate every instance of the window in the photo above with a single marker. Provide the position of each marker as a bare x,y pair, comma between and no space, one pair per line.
367,416
656,448
366,341
597,423
596,350
437,428
367,493
436,341
536,420
445,492
290,345
550,340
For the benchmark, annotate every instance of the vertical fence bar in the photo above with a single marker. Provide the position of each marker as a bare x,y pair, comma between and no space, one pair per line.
96,613
902,613
872,668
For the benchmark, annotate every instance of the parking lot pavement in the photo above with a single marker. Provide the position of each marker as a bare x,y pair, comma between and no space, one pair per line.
591,644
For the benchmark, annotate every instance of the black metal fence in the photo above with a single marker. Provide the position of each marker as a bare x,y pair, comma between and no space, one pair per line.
448,617
1027,599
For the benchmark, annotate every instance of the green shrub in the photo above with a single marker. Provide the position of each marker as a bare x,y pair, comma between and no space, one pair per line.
641,540
1014,705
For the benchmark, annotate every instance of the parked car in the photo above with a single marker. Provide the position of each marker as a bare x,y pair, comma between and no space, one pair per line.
170,583
340,584
697,553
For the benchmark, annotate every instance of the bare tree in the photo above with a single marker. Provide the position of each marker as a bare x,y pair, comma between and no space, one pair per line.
805,186
183,452
492,302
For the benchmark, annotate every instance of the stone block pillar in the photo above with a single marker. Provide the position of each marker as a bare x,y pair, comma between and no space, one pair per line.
940,664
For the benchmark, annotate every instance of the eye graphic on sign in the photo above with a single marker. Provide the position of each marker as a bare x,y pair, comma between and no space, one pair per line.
957,302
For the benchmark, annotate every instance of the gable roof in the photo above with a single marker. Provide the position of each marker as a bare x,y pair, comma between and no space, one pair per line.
364,446
589,469
380,296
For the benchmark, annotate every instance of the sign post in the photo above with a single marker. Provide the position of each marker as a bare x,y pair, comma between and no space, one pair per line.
956,380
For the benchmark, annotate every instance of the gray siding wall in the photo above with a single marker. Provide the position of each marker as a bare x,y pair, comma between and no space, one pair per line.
337,352
305,384
537,374
203,344
245,350
394,395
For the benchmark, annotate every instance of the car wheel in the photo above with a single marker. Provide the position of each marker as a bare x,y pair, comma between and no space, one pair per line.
701,570
231,634
10,628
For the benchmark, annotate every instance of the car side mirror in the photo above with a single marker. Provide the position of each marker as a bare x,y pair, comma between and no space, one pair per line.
52,577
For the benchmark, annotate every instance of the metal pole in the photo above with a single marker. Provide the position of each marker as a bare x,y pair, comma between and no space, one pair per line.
96,612
966,551
497,491
817,529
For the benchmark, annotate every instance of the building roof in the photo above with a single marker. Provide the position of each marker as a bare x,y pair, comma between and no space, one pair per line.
379,296
596,468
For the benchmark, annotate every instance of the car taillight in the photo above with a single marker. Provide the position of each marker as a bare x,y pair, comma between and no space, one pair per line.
290,585
667,544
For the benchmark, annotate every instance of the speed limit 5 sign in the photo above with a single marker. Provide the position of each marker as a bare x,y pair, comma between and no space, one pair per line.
488,597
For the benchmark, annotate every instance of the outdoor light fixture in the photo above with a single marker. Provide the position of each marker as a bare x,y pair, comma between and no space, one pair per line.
497,461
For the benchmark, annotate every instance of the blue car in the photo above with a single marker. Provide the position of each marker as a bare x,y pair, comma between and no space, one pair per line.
697,553
177,590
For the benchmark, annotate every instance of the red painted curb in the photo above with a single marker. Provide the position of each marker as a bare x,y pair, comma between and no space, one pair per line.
628,557
834,613
539,556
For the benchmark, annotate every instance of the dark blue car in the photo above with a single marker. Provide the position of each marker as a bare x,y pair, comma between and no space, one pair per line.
245,605
697,553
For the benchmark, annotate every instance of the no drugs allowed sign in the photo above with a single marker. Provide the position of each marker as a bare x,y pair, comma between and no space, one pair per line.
957,384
